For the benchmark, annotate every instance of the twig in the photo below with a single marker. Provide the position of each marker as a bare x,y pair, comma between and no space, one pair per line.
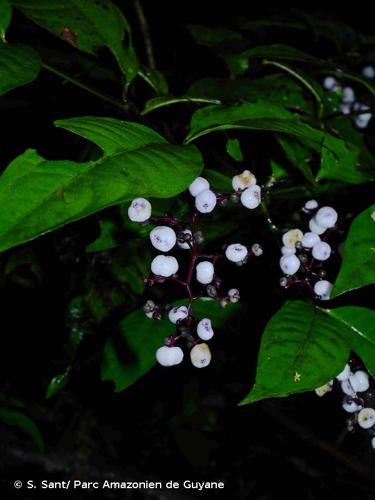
146,34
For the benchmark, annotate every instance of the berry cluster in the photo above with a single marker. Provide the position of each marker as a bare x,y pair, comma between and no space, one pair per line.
174,234
305,253
348,104
358,399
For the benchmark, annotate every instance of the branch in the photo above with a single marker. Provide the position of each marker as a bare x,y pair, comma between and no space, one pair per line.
146,34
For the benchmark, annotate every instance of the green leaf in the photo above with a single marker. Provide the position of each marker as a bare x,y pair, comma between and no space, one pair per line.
358,265
278,171
161,102
87,25
18,419
216,37
298,154
19,65
5,17
234,149
302,348
219,181
155,79
139,338
106,240
57,383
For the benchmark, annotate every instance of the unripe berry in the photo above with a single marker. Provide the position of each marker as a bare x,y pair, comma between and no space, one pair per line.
169,356
359,381
366,418
310,205
326,217
139,210
163,238
323,288
205,272
309,239
329,82
350,405
205,201
345,374
289,264
315,228
251,197
198,185
243,181
288,250
187,236
257,250
321,250
234,295
368,72
164,265
236,252
204,329
348,96
177,314
291,237
200,355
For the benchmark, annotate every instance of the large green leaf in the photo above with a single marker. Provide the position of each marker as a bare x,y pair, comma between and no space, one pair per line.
18,419
358,265
87,25
139,338
5,17
301,349
19,65
39,195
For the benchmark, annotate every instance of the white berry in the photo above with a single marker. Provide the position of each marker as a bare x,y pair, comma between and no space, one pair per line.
204,329
368,72
177,314
315,227
205,272
139,210
347,388
200,355
309,239
345,108
163,238
198,185
359,381
205,201
291,237
329,82
351,406
251,197
236,252
234,295
288,250
164,265
366,418
373,442
311,205
323,288
321,250
169,356
243,181
326,217
345,374
289,264
348,96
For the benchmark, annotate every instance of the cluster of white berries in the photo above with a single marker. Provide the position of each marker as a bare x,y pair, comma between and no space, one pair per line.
300,251
354,385
348,103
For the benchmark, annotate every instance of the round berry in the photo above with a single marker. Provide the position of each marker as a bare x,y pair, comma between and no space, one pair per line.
163,238
345,108
198,185
205,272
350,405
291,237
329,82
310,205
243,181
164,265
251,197
257,250
200,355
169,356
205,201
177,314
309,239
139,210
368,72
326,217
348,96
236,252
234,295
204,329
373,442
288,250
345,374
366,418
321,250
289,264
323,288
315,228
185,239
347,388
360,381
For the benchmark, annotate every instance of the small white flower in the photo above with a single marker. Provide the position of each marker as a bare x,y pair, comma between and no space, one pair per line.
205,201
185,245
200,355
329,82
368,72
169,356
309,239
205,272
326,217
288,250
163,238
251,197
177,314
345,374
198,185
164,265
204,329
315,227
321,250
359,381
323,288
289,264
291,237
366,418
351,406
139,210
311,205
234,295
243,181
236,252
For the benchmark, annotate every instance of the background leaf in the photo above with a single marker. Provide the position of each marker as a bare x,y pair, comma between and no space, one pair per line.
5,17
19,65
18,419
